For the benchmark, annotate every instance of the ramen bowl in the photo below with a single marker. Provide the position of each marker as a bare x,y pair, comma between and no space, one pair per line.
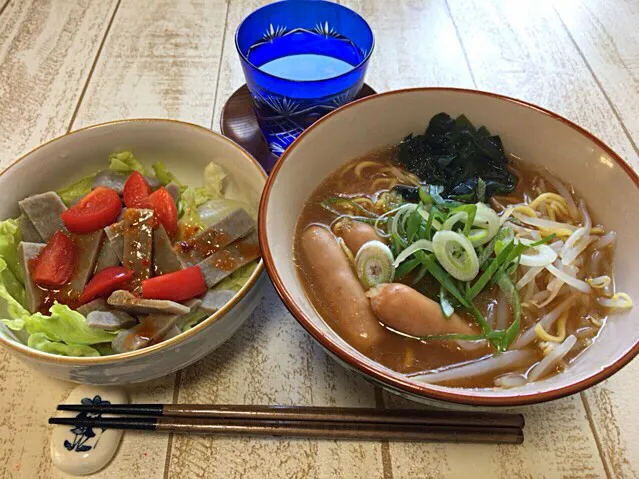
186,150
540,138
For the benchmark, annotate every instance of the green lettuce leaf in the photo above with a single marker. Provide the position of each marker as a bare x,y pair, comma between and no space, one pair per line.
12,284
214,210
191,320
10,237
163,175
214,176
76,190
64,325
238,278
41,342
126,163
11,306
187,210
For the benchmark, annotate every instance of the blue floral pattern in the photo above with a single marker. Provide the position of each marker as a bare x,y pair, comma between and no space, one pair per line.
82,435
283,118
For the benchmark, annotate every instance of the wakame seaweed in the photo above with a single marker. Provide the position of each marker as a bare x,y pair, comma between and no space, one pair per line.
468,162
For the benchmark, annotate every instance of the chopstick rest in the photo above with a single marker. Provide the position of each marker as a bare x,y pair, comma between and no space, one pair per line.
82,450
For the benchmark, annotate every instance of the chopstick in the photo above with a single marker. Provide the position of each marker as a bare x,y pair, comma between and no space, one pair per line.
310,422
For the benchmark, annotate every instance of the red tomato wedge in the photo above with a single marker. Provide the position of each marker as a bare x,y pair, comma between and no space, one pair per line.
136,191
165,210
55,264
96,210
179,286
105,282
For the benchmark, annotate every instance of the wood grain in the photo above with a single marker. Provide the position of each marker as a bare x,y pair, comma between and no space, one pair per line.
46,51
177,59
271,360
152,65
521,49
415,45
160,60
533,57
607,36
231,76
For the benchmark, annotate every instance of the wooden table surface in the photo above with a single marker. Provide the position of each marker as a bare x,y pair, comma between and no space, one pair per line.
65,64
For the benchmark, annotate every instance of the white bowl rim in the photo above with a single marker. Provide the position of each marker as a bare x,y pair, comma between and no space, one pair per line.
380,374
180,338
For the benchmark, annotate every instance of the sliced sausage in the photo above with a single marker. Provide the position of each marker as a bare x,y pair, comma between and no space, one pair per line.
355,234
332,279
406,310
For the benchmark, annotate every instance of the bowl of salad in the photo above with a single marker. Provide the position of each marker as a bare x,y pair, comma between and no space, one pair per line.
128,250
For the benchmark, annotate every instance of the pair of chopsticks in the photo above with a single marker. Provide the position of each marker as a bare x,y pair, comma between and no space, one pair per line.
308,422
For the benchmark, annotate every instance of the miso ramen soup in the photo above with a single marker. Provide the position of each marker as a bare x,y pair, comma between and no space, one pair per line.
449,260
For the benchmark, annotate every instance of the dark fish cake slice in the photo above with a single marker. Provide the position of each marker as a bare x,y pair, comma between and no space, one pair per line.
138,243
98,304
115,236
125,301
33,294
221,264
151,330
165,259
236,224
44,210
88,246
110,320
107,257
214,300
174,190
116,181
29,232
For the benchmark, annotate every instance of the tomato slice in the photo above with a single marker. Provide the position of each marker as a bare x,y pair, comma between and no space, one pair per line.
179,286
96,210
165,210
105,282
136,191
56,262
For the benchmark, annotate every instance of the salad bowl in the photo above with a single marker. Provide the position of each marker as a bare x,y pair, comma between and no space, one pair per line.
185,150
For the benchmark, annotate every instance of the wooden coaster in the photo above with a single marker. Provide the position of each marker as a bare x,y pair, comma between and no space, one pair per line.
238,123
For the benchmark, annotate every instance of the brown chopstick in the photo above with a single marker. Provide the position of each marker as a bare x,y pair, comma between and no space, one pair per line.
307,413
306,429
309,422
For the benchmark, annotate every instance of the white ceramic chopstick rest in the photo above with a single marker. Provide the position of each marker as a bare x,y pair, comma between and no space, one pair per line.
79,450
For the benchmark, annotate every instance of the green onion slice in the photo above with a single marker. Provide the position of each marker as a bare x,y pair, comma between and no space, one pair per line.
374,264
456,255
420,245
444,303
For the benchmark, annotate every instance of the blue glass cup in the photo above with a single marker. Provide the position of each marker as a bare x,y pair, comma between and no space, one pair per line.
301,59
